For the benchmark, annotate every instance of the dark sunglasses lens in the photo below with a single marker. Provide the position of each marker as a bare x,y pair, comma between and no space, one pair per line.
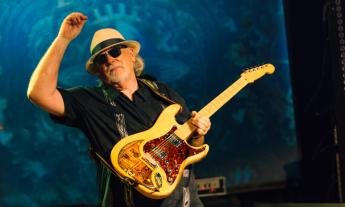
115,52
101,59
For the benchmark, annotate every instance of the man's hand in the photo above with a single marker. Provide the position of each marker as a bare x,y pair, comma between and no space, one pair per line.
72,25
202,125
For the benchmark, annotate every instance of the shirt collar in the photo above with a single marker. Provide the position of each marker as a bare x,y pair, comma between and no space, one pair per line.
110,91
113,93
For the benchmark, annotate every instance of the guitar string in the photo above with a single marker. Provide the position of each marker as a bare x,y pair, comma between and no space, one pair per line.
164,143
161,144
168,141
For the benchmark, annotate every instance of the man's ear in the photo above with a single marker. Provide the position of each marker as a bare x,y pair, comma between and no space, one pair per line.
131,52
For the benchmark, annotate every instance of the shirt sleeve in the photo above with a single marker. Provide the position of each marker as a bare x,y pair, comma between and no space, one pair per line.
73,108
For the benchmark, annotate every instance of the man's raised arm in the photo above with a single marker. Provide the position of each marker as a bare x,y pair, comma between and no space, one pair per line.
42,89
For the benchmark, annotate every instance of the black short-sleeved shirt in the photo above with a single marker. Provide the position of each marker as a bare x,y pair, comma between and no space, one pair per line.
97,111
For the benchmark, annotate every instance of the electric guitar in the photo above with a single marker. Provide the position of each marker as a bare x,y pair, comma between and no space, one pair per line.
155,159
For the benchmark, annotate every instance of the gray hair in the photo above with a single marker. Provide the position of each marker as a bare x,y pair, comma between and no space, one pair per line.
138,65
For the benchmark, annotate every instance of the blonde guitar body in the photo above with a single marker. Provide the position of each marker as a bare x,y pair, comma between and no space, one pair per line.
155,159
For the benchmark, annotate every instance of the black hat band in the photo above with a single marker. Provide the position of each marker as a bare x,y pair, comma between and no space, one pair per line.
105,44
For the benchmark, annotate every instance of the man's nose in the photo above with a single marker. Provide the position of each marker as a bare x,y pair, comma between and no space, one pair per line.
109,58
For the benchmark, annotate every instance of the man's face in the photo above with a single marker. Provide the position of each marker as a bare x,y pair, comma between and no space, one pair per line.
116,65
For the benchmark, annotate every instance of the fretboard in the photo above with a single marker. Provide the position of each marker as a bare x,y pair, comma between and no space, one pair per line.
187,129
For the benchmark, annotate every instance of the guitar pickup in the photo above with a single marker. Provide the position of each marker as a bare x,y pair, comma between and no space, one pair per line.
149,159
162,154
175,141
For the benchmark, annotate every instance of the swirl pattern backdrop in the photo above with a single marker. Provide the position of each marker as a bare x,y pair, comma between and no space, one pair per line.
199,47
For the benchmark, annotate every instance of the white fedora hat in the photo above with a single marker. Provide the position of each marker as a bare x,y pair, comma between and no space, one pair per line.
104,39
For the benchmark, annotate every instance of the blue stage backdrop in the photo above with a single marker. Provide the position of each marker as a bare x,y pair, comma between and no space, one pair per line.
198,46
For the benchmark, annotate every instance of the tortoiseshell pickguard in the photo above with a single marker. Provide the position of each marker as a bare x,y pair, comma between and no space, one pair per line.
170,151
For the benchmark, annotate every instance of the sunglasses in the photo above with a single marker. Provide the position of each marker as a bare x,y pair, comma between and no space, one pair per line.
113,52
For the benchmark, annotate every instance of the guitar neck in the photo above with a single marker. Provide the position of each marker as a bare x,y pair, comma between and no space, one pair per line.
223,98
187,128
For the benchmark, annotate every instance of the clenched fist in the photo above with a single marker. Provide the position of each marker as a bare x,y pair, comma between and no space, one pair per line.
72,25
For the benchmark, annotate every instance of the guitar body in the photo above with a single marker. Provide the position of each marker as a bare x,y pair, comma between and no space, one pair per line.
156,158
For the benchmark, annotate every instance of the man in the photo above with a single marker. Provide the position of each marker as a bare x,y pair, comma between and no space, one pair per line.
122,105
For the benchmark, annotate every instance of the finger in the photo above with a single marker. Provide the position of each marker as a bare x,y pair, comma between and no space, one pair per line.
204,129
194,114
201,132
201,121
76,18
72,21
79,15
83,17
200,124
206,123
82,20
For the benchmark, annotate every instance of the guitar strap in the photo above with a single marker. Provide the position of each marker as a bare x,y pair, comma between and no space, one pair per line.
104,173
154,88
